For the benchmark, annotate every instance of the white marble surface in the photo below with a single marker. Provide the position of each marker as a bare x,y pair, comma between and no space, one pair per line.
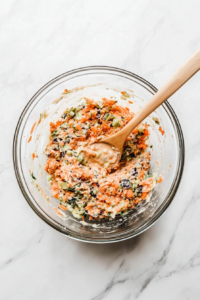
42,39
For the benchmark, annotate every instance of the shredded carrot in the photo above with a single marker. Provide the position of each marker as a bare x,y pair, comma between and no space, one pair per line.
54,126
107,102
57,211
32,128
33,156
135,130
160,179
62,207
161,130
29,139
129,193
94,129
131,102
142,173
144,195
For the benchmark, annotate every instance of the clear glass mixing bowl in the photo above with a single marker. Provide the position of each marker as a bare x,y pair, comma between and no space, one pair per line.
167,149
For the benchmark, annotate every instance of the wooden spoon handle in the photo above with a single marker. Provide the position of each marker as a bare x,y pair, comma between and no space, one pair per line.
167,90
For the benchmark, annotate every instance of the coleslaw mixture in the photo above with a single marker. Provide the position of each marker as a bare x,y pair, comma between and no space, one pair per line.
84,187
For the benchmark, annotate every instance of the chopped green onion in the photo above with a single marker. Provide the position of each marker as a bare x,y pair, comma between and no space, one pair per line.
78,116
64,185
141,130
94,191
71,113
100,104
115,122
108,117
79,158
49,178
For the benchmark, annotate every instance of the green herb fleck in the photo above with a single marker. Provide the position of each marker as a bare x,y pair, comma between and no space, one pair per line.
33,176
74,126
156,120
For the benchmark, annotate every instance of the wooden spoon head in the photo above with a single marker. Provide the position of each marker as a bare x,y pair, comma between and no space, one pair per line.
116,140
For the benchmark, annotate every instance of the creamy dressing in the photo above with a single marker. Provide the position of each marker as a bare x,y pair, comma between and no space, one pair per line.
86,176
102,154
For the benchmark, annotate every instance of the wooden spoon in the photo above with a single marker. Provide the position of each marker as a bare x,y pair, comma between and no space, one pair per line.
168,89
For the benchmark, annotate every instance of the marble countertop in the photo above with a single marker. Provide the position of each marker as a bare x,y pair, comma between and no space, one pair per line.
42,39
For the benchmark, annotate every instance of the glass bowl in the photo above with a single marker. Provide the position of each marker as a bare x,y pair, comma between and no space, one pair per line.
167,156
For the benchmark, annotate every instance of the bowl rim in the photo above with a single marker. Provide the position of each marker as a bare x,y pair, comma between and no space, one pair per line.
170,196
